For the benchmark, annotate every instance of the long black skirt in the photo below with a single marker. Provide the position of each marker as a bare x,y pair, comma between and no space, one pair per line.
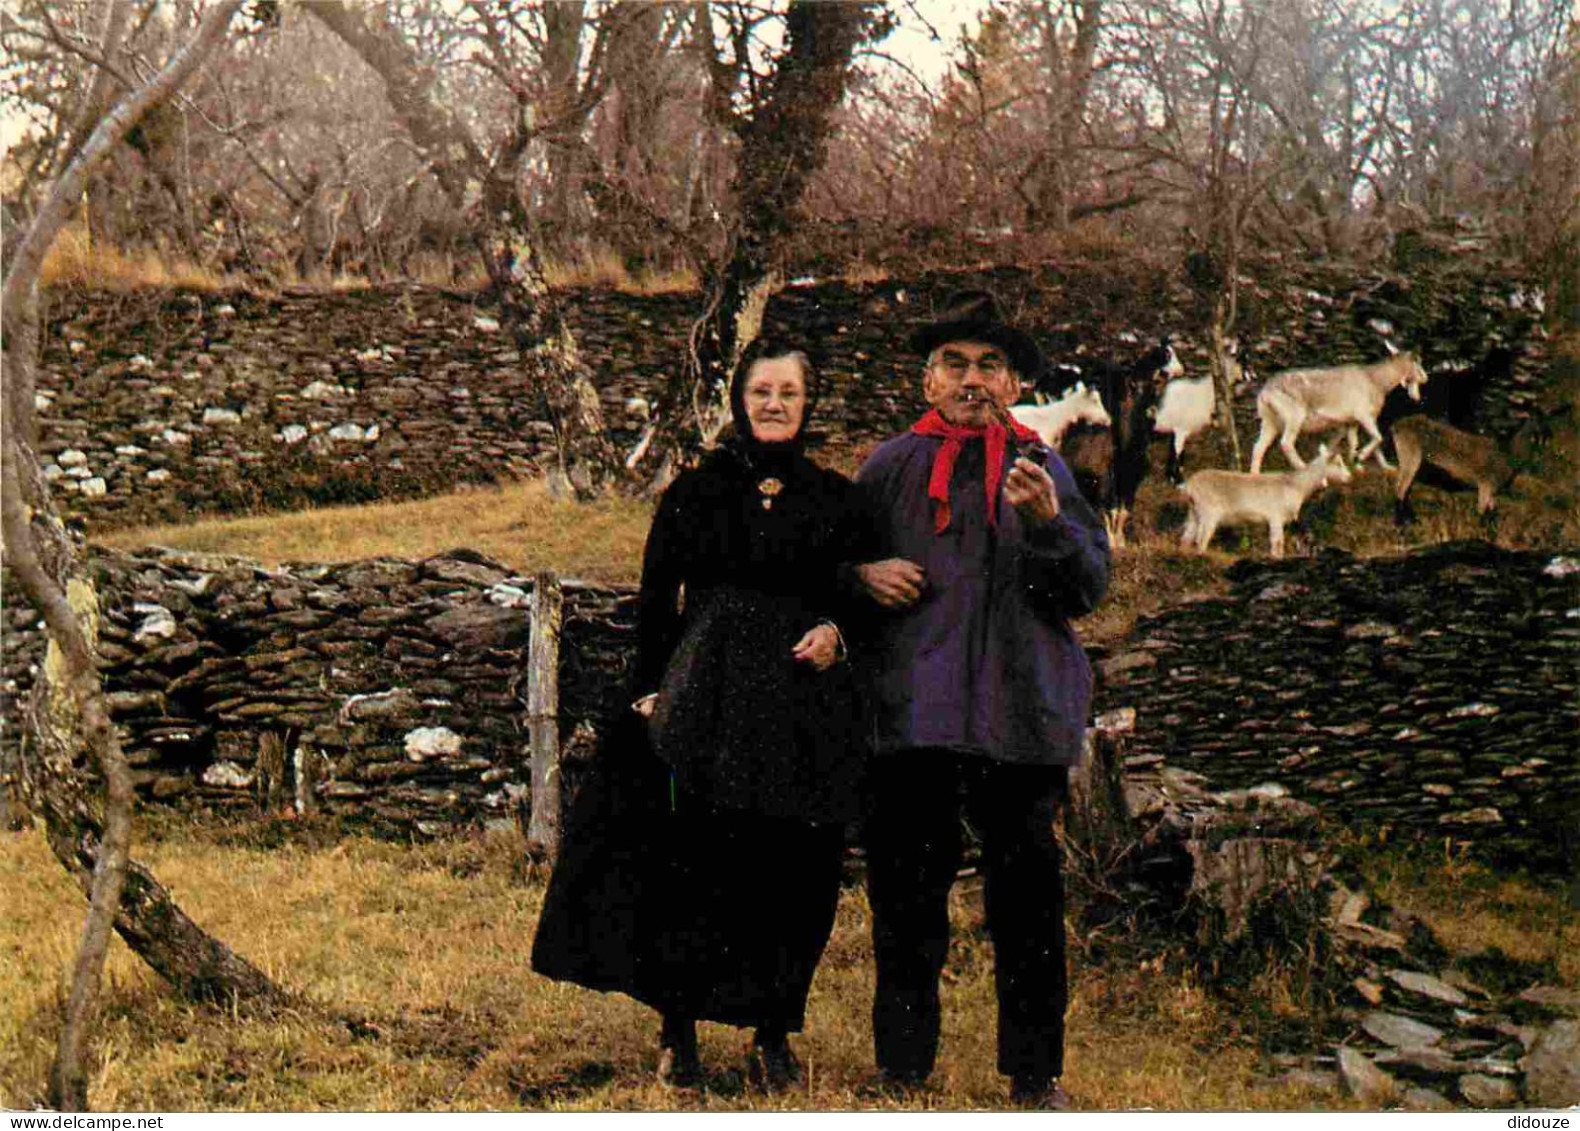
698,911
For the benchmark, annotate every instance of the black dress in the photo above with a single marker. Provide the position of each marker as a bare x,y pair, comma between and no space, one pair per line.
701,861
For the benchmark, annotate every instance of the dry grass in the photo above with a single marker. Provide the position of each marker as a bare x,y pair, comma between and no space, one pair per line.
520,525
74,259
1474,908
431,943
603,267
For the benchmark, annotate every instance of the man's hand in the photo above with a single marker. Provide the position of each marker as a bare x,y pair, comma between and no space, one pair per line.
819,647
895,583
1029,488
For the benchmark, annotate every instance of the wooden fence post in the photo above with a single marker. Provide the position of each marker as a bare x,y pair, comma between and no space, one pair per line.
543,718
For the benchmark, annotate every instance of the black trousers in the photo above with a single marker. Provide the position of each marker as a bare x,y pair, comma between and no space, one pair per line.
913,841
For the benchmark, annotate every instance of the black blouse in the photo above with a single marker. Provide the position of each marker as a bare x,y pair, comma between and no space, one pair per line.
713,529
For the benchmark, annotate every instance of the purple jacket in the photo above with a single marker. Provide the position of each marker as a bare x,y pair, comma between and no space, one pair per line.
986,662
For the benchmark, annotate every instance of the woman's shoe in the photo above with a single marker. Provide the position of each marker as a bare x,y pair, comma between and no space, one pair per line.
679,1067
771,1066
679,1064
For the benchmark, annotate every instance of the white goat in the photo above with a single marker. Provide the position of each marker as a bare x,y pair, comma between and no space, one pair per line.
1275,498
1050,421
1319,400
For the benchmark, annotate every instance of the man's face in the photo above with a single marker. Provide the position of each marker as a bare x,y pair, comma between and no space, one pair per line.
962,377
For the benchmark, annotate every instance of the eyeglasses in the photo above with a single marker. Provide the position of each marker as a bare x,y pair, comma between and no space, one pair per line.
958,365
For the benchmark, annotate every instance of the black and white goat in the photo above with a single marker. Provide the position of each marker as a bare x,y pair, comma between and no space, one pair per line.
1188,406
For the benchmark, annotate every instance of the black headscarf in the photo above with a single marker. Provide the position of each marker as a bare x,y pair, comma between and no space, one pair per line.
777,458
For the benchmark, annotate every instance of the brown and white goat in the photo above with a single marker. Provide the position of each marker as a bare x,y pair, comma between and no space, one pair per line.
1478,460
1321,400
1217,497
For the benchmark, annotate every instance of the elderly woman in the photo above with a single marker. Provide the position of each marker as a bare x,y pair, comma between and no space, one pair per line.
702,861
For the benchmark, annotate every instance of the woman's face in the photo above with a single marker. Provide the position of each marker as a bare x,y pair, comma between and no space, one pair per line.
775,396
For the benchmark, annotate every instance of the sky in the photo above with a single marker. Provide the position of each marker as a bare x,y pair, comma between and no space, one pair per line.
909,42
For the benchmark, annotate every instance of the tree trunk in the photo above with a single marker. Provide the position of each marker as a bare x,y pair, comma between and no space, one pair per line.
67,713
782,146
549,354
1224,376
1069,86
543,719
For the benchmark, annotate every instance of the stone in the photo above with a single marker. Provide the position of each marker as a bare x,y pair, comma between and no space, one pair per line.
477,627
1423,1057
509,596
1425,1099
1552,1067
432,742
464,572
221,416
1488,1091
1400,1031
1369,936
1427,986
168,786
1557,998
1366,1082
396,703
1485,815
158,623
123,703
227,775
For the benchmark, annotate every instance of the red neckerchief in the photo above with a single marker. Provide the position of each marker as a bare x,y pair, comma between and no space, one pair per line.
953,436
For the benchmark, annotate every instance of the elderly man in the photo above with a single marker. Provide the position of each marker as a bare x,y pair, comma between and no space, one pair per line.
982,696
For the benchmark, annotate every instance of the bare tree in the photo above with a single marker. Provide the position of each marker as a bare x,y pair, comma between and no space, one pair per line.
1552,205
782,113
484,187
68,715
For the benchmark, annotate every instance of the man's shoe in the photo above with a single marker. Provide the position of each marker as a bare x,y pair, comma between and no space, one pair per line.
771,1066
898,1083
1039,1093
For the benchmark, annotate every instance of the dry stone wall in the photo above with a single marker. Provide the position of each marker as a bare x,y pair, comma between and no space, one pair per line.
385,691
1437,693
1250,880
160,405
1434,693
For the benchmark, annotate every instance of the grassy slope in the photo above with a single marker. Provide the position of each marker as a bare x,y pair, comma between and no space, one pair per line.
431,944
433,941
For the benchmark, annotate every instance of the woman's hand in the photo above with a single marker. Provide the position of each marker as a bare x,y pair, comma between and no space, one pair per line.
894,583
644,706
819,647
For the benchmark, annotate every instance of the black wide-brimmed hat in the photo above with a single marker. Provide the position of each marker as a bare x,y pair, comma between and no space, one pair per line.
974,316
